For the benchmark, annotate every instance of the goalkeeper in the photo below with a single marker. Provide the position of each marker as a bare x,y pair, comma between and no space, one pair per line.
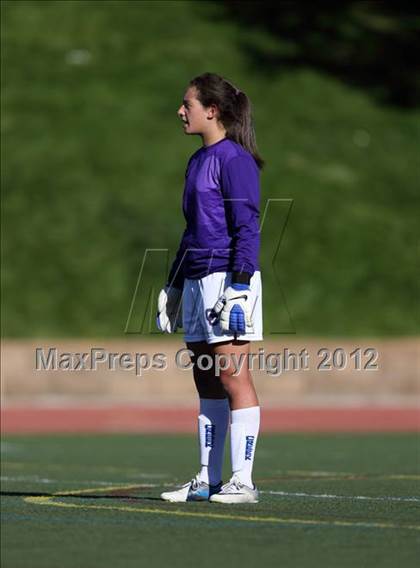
214,286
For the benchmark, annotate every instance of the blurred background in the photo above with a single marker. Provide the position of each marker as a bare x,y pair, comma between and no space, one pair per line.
93,163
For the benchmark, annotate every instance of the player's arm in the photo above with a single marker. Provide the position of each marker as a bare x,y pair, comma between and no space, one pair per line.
240,188
169,310
176,274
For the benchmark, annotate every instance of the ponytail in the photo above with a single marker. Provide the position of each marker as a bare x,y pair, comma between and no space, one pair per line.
235,111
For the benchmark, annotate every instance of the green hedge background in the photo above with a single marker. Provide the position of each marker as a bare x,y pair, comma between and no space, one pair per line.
93,162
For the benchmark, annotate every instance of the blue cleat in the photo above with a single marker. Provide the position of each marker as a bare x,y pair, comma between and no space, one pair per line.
194,490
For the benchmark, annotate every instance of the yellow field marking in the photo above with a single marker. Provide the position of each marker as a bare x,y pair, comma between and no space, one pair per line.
97,490
51,501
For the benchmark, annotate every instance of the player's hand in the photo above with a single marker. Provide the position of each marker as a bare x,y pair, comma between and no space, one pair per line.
169,314
233,310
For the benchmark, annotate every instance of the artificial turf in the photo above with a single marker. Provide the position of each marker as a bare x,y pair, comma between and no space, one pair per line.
326,500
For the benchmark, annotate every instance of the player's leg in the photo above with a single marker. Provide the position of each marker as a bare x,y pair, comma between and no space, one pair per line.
213,421
236,379
237,382
207,384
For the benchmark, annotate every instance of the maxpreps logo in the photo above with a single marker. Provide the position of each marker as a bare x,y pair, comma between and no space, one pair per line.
249,447
210,430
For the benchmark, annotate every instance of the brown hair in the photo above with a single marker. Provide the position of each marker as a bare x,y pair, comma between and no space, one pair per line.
234,110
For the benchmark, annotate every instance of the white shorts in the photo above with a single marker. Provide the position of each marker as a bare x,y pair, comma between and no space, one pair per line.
201,294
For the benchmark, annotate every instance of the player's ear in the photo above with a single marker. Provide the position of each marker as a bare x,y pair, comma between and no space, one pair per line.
212,112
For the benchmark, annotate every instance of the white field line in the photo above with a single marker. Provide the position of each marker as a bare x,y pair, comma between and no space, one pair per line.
133,472
43,480
344,497
322,474
385,498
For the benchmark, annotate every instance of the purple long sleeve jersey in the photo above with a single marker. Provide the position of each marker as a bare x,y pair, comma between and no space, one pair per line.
221,208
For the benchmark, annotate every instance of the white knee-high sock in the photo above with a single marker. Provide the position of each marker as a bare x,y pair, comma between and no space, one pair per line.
213,423
243,439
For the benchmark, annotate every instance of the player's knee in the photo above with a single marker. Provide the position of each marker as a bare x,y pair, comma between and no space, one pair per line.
230,382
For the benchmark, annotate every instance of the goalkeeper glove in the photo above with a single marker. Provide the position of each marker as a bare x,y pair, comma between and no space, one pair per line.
169,314
232,310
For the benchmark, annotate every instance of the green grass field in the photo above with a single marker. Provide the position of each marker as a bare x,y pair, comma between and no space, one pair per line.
326,500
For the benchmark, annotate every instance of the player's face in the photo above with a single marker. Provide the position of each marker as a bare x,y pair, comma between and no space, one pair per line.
194,116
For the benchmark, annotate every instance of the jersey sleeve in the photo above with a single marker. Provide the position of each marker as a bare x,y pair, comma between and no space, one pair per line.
241,194
176,274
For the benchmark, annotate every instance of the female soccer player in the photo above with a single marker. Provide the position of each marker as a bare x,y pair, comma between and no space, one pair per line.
215,285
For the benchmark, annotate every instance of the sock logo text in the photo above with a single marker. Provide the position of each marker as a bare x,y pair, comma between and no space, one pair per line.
210,432
249,447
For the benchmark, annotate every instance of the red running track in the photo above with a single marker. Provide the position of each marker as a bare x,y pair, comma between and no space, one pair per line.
34,420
